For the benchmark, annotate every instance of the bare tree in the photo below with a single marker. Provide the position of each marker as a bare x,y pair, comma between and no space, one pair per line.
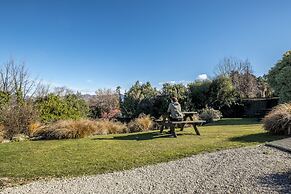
15,80
18,112
106,101
63,91
241,74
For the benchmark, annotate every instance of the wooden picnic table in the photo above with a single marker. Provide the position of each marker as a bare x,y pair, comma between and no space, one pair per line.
189,115
165,122
182,124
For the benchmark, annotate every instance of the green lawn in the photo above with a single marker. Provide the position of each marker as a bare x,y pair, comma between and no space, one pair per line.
109,153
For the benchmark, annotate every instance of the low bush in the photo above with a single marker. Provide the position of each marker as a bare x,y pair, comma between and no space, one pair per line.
16,117
73,129
278,121
210,114
143,123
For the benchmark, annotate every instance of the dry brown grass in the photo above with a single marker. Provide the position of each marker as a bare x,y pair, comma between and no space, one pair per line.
143,123
278,121
110,127
34,127
73,129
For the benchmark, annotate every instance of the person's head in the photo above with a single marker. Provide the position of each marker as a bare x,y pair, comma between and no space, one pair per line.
174,99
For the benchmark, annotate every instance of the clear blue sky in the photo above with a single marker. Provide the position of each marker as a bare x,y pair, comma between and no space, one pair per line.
88,44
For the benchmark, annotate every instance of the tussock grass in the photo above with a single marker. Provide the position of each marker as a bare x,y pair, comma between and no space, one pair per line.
278,121
104,127
143,123
74,129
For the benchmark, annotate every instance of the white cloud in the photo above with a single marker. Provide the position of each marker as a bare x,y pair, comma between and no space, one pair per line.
175,82
202,77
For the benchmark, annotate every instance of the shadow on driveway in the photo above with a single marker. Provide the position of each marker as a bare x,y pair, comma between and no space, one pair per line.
280,182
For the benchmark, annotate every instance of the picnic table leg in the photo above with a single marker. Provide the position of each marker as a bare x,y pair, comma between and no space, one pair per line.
162,128
172,129
182,127
196,129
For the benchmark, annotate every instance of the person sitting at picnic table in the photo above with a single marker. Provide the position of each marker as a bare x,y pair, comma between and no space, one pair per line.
175,112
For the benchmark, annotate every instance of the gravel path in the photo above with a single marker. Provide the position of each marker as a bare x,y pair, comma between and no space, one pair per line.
245,170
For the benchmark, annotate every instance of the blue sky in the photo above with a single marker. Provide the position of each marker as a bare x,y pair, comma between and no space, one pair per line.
88,44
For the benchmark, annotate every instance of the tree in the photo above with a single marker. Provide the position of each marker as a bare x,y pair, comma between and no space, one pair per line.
104,104
175,90
241,75
279,77
222,93
265,90
15,80
17,90
198,94
138,99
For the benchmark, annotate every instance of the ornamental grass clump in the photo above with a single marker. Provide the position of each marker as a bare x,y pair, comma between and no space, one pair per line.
143,123
67,129
74,129
278,121
109,127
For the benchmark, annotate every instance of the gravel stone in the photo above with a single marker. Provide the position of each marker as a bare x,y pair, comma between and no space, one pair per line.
257,169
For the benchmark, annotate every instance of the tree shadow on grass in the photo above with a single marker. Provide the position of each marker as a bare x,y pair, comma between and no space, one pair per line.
280,182
258,137
141,136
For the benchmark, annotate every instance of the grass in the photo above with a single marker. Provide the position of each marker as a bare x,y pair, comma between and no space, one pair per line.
107,153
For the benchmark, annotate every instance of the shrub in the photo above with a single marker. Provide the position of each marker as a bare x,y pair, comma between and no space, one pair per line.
73,129
210,114
143,123
278,121
54,107
16,117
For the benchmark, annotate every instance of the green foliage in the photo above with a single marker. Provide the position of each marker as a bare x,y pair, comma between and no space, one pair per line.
139,99
222,93
175,90
279,78
54,107
4,98
198,94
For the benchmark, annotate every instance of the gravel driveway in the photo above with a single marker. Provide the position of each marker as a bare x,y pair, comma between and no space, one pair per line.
245,170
